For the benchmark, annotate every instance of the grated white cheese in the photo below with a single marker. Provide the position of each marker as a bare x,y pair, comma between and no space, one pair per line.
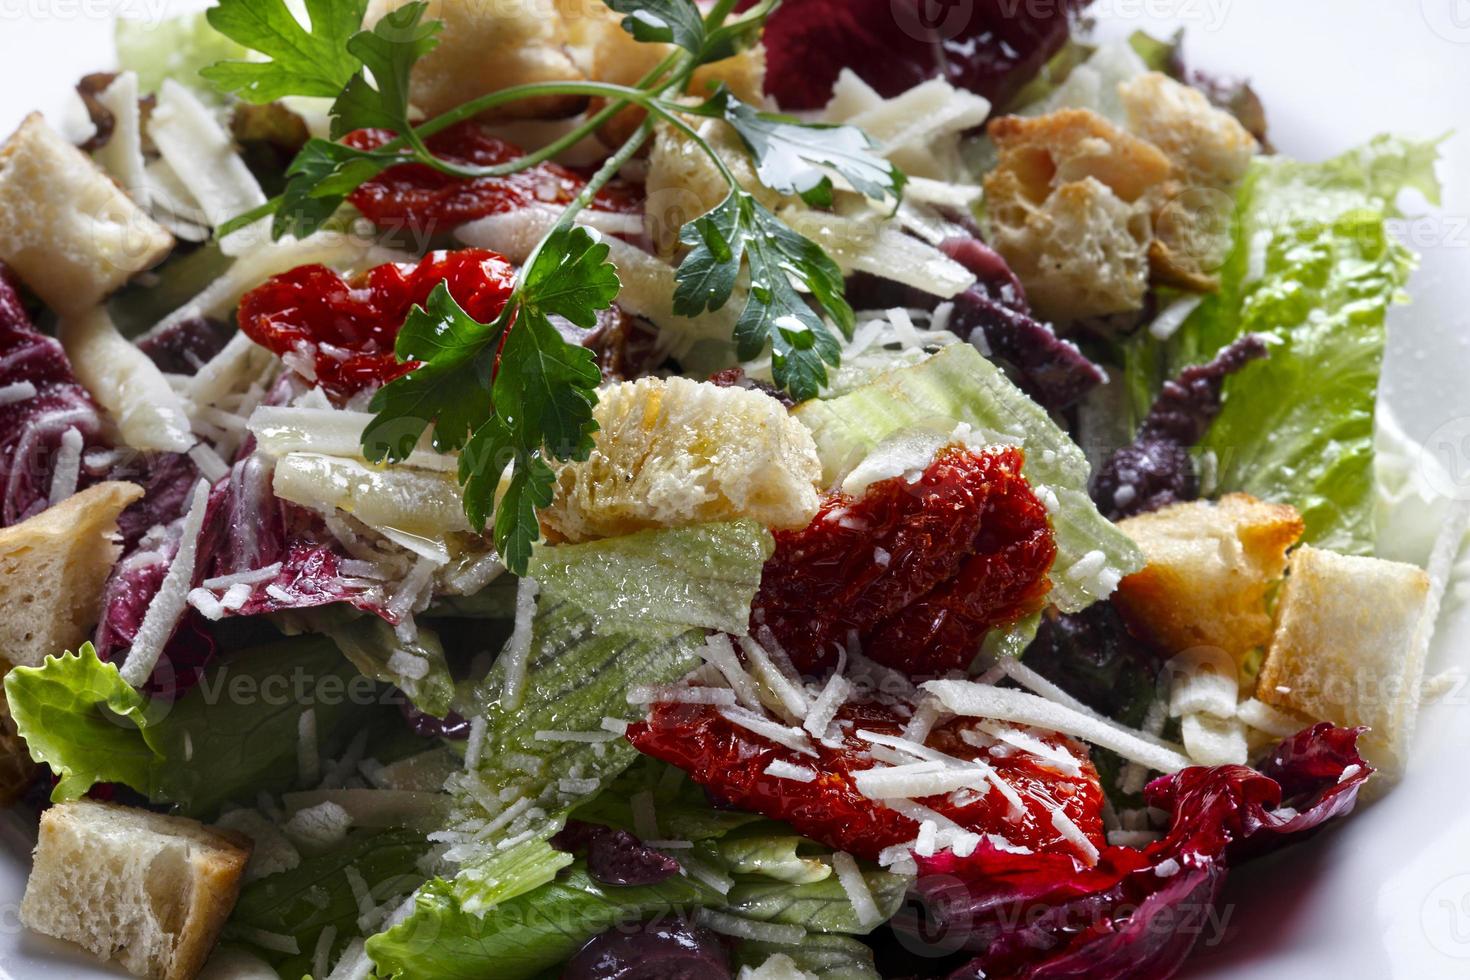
1073,835
68,469
681,695
321,826
168,604
209,607
850,876
517,650
235,597
1055,757
781,769
475,743
617,726
323,951
719,652
903,327
924,843
211,466
1004,704
254,576
1265,718
793,738
1204,688
791,697
918,779
1132,838
831,699
17,391
707,874
1212,741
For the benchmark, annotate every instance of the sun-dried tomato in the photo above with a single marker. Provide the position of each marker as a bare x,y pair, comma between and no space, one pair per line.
418,197
919,571
347,329
730,761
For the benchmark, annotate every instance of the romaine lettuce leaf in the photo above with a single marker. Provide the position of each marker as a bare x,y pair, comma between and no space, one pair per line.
318,893
665,581
959,385
525,935
817,906
175,47
1313,271
234,735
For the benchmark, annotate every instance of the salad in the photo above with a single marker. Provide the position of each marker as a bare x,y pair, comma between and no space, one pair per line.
617,489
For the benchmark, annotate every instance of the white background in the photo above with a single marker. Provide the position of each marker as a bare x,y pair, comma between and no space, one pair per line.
1388,893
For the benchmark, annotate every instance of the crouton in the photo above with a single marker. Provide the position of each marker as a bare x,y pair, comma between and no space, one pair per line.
1348,647
683,183
146,890
1210,567
488,46
1067,209
1210,151
52,567
1208,146
66,229
1081,252
676,452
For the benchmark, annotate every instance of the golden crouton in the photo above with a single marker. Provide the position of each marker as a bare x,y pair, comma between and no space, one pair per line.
1207,146
52,568
1210,566
489,45
1348,647
66,229
675,452
1066,206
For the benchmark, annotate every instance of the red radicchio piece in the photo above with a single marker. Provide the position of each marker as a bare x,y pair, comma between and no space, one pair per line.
730,761
345,331
1138,913
32,426
423,199
920,571
993,47
1156,469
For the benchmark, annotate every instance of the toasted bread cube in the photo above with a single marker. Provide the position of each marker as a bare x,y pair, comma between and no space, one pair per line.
66,229
52,568
1067,207
1349,645
1208,146
671,453
489,45
150,891
1210,566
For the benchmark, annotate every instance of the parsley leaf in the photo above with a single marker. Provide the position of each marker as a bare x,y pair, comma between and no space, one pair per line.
389,51
509,393
316,63
790,156
741,228
669,21
319,180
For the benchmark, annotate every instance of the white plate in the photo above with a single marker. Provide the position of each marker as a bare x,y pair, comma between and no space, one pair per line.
1384,895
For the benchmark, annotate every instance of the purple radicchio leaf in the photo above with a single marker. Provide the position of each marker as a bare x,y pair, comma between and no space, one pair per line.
40,400
185,346
615,857
666,949
1137,913
1156,469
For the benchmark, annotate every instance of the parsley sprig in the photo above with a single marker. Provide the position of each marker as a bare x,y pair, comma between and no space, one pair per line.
513,394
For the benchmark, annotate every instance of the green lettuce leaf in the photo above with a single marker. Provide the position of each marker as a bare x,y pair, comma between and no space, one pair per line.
370,644
661,582
1313,270
817,906
317,893
175,47
525,935
959,385
232,736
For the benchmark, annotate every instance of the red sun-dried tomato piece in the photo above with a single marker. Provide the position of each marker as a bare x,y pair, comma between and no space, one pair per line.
420,198
347,329
730,761
919,571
